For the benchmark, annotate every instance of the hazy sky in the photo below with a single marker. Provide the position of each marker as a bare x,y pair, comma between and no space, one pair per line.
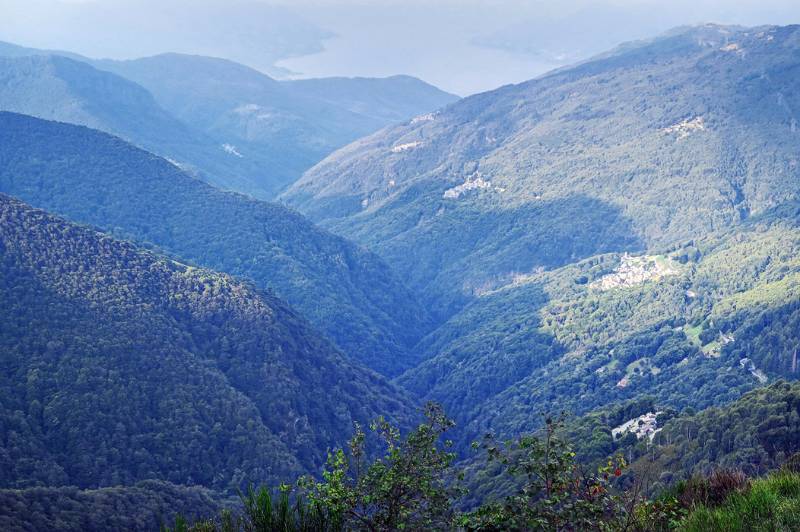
463,46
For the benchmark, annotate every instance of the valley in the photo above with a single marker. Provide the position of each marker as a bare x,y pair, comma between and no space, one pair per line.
367,304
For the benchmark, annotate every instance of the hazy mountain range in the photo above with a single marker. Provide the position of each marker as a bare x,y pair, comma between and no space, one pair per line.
619,239
227,123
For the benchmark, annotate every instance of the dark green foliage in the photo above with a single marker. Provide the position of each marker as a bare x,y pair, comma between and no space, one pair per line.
480,352
144,506
712,449
546,489
767,336
263,512
591,433
344,290
409,487
120,366
554,493
757,433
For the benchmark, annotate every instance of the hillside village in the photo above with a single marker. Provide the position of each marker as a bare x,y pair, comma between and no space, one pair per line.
635,270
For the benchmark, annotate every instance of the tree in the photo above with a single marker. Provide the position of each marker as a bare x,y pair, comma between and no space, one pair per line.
554,492
409,487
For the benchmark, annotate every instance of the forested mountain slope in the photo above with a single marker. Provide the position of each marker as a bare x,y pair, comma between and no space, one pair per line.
653,143
58,88
95,178
147,505
120,366
695,325
756,433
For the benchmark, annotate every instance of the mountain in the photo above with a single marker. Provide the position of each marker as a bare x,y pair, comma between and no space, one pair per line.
59,88
618,240
290,126
232,125
654,143
386,100
243,110
621,228
121,366
12,50
91,177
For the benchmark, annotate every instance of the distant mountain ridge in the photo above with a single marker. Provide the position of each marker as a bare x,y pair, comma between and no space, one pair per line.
244,130
59,88
92,177
389,100
298,122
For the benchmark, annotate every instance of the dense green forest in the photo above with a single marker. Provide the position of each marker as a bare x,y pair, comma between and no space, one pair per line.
120,366
146,505
346,291
754,434
653,143
695,325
